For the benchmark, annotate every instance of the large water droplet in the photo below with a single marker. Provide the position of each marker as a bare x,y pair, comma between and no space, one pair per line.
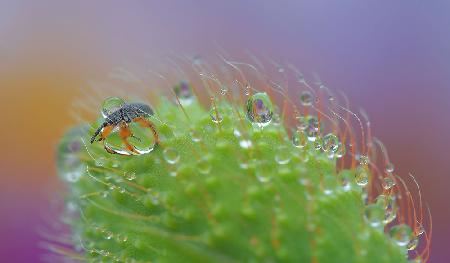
259,109
330,143
141,139
111,105
401,234
171,155
362,176
374,214
184,93
306,98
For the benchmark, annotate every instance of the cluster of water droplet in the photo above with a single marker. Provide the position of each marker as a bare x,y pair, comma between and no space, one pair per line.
212,167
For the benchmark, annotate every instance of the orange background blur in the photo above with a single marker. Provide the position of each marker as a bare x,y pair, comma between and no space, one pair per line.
391,59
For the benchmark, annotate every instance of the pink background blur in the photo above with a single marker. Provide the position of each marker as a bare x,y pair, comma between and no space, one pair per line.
390,57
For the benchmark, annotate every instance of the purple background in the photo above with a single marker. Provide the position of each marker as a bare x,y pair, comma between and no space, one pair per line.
392,58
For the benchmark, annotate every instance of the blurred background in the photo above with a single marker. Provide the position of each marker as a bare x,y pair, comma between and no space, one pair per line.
391,58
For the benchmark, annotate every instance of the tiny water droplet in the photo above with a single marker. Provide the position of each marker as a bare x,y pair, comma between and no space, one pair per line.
245,144
100,161
413,243
283,155
310,125
108,235
204,166
420,229
306,98
105,194
247,90
111,105
223,90
340,152
374,215
388,183
184,93
171,155
130,176
389,168
330,143
362,176
401,234
363,160
259,109
318,144
195,136
216,116
299,139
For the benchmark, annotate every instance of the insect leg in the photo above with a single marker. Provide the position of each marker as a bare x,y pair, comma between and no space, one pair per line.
125,133
148,124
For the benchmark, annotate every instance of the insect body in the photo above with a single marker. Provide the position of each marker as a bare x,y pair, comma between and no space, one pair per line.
127,113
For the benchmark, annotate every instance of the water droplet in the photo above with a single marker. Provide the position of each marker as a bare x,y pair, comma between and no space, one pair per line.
100,161
223,90
388,183
317,144
184,93
374,215
204,166
299,139
310,125
363,160
401,234
130,176
262,171
247,90
306,98
108,235
283,155
420,229
105,194
340,152
259,109
413,243
362,176
390,207
110,105
171,155
215,114
195,136
389,168
330,143
245,144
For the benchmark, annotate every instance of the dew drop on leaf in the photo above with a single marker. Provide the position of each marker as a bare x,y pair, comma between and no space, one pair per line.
259,109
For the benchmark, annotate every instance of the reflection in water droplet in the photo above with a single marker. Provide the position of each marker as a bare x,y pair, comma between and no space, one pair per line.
330,143
362,176
306,98
171,155
142,140
401,234
110,105
374,215
310,125
259,109
184,93
283,155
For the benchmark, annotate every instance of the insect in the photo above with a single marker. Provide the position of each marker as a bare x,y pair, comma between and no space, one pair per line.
127,113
